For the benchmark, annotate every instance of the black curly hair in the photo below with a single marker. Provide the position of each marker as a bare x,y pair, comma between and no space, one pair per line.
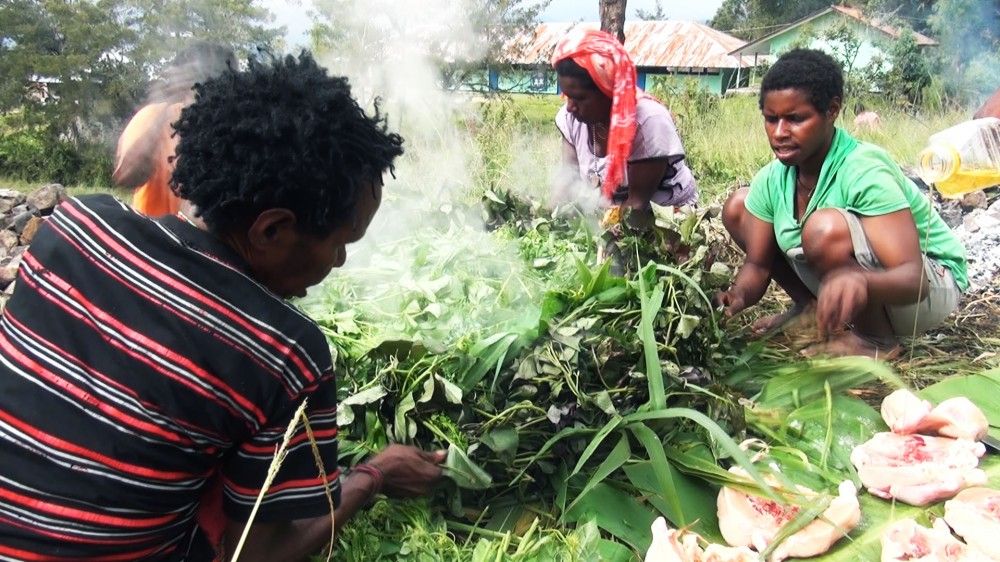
567,67
809,70
282,134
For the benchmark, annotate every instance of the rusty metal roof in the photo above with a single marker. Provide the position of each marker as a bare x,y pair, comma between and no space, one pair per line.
881,26
762,45
668,44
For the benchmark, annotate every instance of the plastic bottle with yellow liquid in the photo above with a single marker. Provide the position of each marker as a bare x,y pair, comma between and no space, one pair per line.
963,158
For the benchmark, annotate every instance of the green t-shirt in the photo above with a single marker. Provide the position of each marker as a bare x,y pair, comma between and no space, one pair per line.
863,179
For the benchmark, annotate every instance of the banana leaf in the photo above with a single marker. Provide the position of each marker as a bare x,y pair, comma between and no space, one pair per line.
616,512
803,383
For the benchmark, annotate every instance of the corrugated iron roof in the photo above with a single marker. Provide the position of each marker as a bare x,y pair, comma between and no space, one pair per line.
668,44
848,11
881,26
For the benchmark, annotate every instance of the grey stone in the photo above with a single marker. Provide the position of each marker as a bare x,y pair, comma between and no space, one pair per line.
8,269
45,198
9,199
8,240
974,200
19,221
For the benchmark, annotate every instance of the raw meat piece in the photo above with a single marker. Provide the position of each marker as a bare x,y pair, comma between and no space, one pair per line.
722,553
670,545
817,537
917,469
753,521
974,514
905,540
903,411
956,417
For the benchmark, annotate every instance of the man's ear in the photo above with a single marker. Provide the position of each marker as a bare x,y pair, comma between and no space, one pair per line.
272,228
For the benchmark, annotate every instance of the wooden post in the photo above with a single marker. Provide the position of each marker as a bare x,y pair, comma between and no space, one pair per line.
613,18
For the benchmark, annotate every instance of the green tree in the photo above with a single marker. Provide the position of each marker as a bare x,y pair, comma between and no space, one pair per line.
65,63
753,19
656,14
968,32
162,28
71,71
353,33
910,71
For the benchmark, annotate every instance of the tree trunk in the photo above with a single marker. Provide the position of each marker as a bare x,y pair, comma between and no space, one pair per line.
613,18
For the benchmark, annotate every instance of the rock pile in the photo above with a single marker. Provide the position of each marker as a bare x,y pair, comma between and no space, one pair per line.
20,217
980,232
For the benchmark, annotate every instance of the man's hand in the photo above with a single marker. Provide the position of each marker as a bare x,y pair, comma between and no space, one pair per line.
408,471
842,296
732,301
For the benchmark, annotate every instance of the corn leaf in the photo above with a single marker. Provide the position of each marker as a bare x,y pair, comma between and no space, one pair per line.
651,303
662,470
615,459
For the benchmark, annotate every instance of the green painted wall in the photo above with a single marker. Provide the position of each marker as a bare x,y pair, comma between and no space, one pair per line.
874,43
525,81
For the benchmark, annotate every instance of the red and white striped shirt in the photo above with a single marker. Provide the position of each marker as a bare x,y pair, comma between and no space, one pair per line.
137,360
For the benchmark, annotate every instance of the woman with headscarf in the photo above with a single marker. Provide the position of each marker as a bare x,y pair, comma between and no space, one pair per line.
620,139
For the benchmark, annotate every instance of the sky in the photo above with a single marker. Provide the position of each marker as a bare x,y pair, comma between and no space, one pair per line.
293,14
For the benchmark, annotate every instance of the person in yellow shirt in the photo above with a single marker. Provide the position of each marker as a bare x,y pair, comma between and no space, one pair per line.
144,158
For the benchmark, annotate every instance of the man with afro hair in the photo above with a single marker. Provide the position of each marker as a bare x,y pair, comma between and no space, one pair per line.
149,367
837,225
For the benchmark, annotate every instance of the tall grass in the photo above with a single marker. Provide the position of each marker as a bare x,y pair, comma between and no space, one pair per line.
724,139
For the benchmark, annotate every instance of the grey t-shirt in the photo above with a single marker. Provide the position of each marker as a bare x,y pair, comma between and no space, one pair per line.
655,137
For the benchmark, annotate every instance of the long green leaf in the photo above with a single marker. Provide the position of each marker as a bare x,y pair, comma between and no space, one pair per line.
651,304
616,512
612,424
695,494
615,459
716,432
661,468
804,383
563,434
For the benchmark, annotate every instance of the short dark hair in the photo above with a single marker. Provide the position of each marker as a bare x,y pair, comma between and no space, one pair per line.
282,134
567,67
809,70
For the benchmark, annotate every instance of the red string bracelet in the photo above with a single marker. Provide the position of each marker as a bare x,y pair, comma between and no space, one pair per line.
373,472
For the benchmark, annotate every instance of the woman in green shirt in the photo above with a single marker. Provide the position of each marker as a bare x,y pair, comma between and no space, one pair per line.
837,225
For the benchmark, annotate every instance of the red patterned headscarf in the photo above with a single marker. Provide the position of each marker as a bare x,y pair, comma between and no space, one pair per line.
609,66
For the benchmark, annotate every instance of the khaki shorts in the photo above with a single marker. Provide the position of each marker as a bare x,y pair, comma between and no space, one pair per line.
940,301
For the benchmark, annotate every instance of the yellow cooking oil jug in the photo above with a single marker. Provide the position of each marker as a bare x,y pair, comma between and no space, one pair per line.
963,158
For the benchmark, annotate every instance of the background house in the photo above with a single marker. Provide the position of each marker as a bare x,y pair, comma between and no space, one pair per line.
875,37
659,48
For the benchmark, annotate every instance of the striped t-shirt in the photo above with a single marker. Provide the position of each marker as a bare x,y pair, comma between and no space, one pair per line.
137,361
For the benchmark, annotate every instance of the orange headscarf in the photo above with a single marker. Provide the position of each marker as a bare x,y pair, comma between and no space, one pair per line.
609,66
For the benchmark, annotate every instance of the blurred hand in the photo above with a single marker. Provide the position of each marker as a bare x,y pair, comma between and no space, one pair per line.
842,296
408,471
732,302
